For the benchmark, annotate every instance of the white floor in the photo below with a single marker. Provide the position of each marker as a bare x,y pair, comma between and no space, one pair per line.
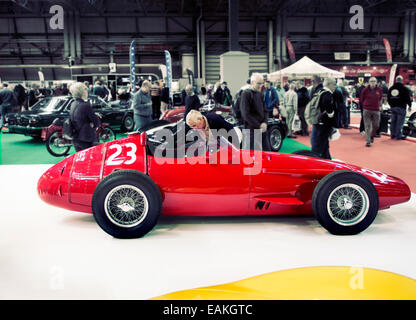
49,253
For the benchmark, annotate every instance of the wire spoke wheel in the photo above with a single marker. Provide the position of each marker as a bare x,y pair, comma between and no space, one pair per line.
57,146
106,135
126,206
348,204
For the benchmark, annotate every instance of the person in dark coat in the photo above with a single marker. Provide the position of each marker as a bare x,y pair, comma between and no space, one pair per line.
303,100
322,130
34,95
358,94
219,95
8,102
99,90
191,101
398,98
254,116
83,118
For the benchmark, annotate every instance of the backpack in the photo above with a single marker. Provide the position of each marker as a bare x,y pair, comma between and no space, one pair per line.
312,110
68,127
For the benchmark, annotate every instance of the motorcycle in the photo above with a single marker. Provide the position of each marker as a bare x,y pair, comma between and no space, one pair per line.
59,145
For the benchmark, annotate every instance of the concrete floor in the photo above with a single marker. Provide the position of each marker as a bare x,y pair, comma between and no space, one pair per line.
51,253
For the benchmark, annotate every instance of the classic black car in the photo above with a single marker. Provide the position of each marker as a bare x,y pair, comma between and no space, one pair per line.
46,110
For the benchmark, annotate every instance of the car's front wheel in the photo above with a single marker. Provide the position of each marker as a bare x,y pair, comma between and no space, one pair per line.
128,124
127,204
345,202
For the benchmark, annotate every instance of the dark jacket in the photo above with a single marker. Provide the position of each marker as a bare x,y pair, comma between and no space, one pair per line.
7,98
32,98
399,96
327,106
99,91
318,88
215,121
303,97
252,109
219,95
191,103
82,118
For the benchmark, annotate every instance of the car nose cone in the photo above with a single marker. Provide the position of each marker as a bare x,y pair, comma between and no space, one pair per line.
50,184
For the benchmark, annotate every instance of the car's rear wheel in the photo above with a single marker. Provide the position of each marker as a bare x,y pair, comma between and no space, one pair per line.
127,204
345,202
275,137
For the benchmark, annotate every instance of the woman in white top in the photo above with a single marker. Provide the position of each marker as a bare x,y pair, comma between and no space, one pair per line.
290,103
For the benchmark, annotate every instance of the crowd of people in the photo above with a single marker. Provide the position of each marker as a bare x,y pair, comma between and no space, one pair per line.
257,100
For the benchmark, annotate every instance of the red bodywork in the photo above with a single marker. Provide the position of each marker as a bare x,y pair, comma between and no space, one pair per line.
284,183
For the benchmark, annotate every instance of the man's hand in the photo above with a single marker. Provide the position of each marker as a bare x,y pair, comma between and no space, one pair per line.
99,115
263,127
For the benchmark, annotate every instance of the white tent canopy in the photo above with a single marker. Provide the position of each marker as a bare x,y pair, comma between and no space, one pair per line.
305,68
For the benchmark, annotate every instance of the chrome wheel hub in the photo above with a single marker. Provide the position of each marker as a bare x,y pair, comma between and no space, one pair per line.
348,204
126,206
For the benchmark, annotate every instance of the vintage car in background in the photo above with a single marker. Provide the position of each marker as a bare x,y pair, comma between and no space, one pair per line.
276,129
46,110
129,183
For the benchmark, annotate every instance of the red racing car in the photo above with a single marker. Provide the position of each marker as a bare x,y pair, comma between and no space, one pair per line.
128,183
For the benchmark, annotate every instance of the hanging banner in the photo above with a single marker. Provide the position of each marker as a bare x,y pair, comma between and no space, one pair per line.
169,73
291,50
133,66
388,50
392,74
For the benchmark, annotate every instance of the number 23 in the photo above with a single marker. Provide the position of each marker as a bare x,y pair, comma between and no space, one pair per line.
131,154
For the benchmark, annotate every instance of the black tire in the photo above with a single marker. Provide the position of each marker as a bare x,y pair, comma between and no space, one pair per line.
128,124
52,149
307,153
275,136
406,131
333,196
104,203
106,134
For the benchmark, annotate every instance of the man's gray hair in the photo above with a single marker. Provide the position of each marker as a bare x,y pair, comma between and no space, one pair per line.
77,90
255,76
329,81
399,79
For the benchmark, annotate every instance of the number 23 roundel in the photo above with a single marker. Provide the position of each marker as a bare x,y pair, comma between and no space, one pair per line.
122,154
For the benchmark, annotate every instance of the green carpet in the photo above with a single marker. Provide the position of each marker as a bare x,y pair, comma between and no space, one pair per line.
19,149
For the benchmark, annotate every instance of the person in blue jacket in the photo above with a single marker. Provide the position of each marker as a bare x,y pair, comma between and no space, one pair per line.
271,98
